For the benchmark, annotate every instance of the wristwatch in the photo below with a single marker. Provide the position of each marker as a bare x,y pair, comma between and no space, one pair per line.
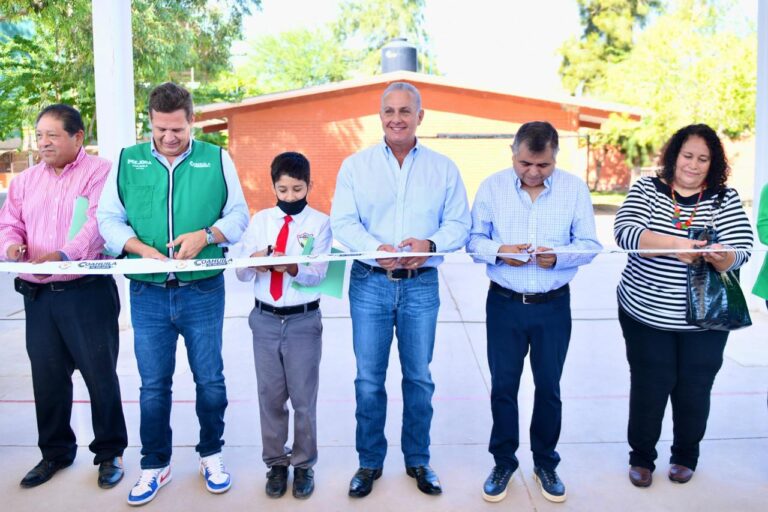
432,246
210,238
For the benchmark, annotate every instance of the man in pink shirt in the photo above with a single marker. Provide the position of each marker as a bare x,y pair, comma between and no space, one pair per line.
71,320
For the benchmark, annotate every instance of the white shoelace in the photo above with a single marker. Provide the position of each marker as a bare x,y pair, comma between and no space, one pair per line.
147,475
214,464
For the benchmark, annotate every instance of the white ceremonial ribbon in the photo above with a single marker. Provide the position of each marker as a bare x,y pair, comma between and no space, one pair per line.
152,266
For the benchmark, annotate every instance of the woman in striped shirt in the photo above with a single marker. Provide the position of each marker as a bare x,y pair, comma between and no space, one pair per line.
669,358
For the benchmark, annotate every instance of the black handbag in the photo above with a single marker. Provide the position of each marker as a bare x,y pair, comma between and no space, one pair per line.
715,299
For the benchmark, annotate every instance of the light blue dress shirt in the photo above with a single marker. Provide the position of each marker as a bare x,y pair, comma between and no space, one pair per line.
113,221
560,218
378,202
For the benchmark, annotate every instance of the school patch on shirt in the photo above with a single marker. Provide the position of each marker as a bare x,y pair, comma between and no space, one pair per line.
303,238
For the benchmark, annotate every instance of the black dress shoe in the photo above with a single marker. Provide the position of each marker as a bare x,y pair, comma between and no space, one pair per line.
426,479
43,472
303,482
277,481
362,483
110,472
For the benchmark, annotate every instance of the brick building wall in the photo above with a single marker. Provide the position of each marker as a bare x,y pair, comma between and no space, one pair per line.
327,128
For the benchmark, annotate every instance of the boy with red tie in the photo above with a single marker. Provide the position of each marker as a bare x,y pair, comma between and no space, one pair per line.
286,324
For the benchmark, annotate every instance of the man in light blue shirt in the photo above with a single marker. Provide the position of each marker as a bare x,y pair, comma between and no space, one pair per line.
530,208
175,197
397,196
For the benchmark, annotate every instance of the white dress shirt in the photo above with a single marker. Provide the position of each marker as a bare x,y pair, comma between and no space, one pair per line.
263,230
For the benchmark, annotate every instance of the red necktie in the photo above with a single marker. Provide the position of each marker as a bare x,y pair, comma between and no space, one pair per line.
276,281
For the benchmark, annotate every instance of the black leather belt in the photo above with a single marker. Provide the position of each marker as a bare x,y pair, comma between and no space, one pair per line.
529,298
60,286
288,310
397,274
175,283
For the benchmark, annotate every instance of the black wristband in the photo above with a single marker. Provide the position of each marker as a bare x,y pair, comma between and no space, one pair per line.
432,246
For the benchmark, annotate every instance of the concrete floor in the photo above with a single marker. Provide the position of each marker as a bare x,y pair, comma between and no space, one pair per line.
732,475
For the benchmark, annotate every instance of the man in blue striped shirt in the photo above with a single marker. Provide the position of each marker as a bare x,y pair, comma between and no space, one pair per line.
397,196
530,208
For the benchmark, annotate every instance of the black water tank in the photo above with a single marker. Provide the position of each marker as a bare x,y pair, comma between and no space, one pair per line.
398,55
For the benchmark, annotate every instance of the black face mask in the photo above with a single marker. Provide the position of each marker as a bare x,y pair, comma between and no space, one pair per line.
293,207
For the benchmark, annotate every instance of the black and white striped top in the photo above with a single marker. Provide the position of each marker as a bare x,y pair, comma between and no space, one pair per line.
654,290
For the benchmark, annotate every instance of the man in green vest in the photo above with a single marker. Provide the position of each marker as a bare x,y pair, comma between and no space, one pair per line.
175,197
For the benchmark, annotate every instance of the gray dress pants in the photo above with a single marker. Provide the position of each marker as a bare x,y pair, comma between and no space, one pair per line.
287,350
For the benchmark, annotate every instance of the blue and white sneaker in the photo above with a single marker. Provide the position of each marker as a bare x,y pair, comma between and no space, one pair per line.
217,479
150,481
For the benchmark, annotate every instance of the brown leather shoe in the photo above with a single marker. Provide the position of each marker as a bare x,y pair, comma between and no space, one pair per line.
680,474
640,476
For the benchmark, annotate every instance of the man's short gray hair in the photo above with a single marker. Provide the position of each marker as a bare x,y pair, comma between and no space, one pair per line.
536,135
402,86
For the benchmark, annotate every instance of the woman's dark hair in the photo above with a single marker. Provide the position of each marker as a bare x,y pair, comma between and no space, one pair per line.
718,163
291,164
69,117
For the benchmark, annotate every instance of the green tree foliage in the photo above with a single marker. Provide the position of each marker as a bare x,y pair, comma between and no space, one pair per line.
685,68
294,59
368,25
55,62
351,45
609,28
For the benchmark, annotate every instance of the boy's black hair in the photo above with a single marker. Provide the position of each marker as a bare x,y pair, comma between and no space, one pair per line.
290,164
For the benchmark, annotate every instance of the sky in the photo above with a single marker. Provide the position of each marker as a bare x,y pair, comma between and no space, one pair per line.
499,44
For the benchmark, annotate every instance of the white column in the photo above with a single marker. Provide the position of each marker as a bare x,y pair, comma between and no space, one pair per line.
113,66
113,69
761,152
749,273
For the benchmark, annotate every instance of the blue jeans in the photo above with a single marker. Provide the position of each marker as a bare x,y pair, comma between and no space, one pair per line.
159,315
409,306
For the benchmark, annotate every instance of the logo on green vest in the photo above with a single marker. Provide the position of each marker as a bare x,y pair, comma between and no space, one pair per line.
139,164
199,165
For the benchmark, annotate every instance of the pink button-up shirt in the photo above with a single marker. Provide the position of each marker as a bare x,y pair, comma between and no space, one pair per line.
38,212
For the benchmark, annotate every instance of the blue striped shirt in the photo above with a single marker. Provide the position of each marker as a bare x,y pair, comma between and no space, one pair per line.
378,202
560,218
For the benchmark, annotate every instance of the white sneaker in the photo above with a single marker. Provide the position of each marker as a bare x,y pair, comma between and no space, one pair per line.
217,479
150,481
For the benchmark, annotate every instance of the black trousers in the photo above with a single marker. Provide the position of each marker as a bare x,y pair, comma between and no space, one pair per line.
76,328
512,327
680,365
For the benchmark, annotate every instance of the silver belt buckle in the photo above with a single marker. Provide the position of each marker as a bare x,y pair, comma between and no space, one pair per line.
390,276
525,298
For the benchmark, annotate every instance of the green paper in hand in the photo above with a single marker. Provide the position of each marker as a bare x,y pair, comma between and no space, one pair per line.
79,216
333,284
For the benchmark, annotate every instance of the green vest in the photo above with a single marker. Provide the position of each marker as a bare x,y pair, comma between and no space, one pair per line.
195,194
761,285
